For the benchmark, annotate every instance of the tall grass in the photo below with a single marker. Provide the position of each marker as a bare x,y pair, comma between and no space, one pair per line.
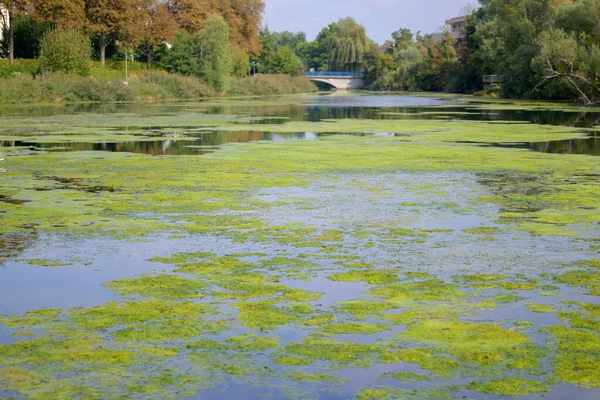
60,88
22,84
264,85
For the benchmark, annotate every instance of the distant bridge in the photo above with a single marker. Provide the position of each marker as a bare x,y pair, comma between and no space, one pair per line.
336,80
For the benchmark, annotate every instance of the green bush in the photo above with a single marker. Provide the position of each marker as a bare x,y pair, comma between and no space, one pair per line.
65,51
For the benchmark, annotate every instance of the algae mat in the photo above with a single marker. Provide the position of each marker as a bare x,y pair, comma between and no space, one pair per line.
373,267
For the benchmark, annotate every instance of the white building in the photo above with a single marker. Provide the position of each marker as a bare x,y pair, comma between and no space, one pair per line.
4,20
457,26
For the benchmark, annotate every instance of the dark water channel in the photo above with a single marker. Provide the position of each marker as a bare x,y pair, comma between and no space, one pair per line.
319,108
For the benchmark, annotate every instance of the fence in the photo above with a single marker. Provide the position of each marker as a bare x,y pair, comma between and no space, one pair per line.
336,74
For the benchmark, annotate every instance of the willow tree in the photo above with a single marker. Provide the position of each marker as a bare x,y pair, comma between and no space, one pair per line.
347,46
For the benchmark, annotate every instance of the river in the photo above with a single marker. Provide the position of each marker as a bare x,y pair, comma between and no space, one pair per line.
325,246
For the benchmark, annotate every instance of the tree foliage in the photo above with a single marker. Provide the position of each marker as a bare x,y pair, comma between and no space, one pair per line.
107,18
243,18
65,50
347,46
61,13
315,54
152,25
275,58
215,56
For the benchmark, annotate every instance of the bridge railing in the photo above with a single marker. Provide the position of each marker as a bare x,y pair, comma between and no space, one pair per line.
335,74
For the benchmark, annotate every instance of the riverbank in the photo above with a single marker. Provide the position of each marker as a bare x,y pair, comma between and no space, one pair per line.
108,86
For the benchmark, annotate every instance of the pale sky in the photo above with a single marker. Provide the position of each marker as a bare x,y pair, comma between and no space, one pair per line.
380,17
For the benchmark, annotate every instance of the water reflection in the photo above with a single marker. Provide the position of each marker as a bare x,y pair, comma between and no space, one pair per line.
588,146
313,109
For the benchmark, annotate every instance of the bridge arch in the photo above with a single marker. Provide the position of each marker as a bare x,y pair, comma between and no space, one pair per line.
336,80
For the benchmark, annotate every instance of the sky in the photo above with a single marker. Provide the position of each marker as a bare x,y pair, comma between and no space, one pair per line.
379,17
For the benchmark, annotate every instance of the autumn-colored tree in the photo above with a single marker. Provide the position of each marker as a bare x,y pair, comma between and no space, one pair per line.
13,8
62,13
107,18
243,18
152,24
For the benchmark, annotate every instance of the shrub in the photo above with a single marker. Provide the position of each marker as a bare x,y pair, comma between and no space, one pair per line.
65,51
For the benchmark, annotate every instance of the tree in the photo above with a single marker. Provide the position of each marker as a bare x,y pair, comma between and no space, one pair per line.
27,36
215,56
243,18
152,24
65,50
62,13
315,54
562,57
403,39
285,62
348,45
184,57
15,8
239,63
289,39
107,18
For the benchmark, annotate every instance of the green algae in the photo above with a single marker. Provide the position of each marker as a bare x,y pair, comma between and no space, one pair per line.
508,298
424,358
319,320
363,307
354,328
48,263
263,315
376,277
540,308
160,331
517,286
514,386
484,230
587,280
338,354
317,378
159,286
114,314
214,196
479,278
252,342
483,344
576,360
430,290
291,360
406,376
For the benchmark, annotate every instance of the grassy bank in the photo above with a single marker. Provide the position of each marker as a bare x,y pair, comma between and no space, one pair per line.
262,85
19,84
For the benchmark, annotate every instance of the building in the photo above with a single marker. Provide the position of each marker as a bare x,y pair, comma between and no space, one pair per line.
4,21
457,26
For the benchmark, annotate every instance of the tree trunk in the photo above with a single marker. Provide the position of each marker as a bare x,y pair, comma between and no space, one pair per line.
148,55
11,40
103,45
